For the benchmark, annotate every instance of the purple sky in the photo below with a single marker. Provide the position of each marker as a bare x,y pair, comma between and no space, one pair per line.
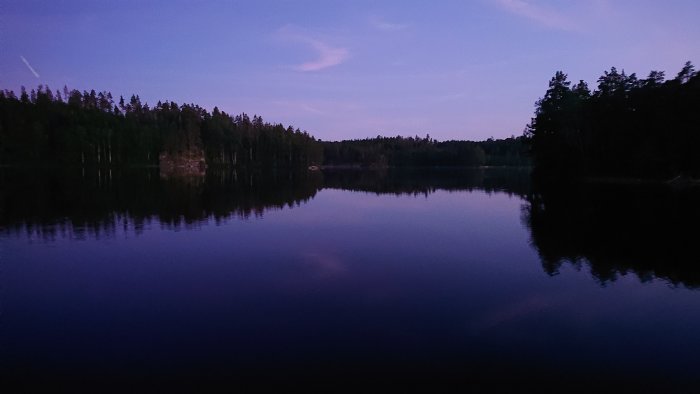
353,69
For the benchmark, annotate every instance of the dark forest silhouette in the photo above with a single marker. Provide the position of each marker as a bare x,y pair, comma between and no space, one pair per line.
627,127
425,152
88,129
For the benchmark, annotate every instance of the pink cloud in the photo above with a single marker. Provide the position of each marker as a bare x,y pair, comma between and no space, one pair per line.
327,56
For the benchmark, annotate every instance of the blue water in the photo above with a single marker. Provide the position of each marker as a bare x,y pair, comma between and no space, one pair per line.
444,286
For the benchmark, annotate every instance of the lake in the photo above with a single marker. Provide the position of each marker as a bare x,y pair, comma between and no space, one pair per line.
345,279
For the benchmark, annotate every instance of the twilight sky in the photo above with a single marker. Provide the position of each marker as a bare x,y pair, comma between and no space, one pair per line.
352,69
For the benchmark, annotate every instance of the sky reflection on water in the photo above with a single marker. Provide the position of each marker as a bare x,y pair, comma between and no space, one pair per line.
378,284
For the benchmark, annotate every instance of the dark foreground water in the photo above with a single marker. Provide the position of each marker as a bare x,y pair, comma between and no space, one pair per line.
329,281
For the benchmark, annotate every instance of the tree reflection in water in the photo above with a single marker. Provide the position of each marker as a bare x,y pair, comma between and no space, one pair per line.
614,229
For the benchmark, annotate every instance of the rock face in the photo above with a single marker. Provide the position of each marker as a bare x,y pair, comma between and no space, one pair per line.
187,163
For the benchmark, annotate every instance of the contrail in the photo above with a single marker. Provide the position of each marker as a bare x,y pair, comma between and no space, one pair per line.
29,66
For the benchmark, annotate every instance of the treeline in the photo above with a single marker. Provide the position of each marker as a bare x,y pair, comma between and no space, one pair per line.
425,152
90,129
628,127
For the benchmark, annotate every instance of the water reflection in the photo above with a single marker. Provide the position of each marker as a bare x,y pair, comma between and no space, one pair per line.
513,181
75,202
412,277
647,230
611,229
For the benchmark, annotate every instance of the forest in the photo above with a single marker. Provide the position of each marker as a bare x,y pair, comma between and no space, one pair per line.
425,152
90,129
626,127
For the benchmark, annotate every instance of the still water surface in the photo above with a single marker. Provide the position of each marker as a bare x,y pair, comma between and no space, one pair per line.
395,277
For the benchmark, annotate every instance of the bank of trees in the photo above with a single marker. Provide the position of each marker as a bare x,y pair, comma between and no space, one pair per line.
425,152
627,126
95,129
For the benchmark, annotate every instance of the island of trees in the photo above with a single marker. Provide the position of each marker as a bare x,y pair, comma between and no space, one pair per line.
627,127
68,128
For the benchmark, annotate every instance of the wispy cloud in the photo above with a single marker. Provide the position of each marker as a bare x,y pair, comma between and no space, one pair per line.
29,66
544,16
327,55
382,24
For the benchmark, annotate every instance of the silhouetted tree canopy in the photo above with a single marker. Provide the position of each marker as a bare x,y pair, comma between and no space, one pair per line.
425,152
626,127
90,129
